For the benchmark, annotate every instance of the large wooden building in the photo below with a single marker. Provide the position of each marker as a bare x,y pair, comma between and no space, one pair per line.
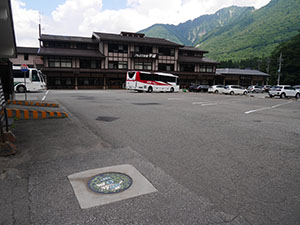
101,61
243,77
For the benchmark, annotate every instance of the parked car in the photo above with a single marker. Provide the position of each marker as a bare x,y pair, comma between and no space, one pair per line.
193,87
255,89
216,89
235,89
297,87
202,88
198,88
284,91
267,88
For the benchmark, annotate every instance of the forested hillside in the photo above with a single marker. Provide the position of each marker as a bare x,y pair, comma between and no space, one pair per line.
236,33
255,35
290,72
190,32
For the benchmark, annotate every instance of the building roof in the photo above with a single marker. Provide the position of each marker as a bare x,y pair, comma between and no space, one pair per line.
70,52
245,72
139,39
27,50
193,59
193,49
48,37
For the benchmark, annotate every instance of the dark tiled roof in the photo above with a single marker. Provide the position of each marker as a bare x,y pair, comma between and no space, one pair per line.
138,40
193,59
246,72
47,37
70,52
27,50
191,48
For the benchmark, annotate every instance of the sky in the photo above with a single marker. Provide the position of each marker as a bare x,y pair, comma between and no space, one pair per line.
82,17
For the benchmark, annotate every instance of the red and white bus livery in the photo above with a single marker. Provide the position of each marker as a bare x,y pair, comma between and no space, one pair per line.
149,82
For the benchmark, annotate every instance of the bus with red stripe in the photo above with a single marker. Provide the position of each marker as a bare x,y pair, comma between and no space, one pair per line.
151,82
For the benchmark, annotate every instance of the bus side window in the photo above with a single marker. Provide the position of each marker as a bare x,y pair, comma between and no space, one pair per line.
20,74
35,76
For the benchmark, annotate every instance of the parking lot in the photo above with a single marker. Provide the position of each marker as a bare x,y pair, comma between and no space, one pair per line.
240,153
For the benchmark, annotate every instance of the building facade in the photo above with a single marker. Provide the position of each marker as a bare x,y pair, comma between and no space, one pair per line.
243,77
28,56
102,60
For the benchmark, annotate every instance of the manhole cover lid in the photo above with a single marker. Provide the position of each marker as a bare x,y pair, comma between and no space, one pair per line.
109,183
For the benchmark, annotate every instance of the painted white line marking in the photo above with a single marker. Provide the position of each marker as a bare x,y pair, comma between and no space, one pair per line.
209,104
275,106
272,107
45,95
197,103
175,98
256,110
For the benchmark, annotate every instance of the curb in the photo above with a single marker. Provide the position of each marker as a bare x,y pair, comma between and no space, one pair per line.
34,114
30,103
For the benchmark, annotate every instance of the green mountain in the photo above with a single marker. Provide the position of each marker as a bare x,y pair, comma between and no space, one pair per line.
190,32
236,33
256,34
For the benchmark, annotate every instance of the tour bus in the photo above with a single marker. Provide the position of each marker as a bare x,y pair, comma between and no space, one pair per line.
149,82
34,80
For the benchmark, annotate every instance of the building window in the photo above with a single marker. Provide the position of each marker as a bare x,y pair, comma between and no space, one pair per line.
82,45
203,68
25,56
53,44
117,65
112,65
165,67
143,66
89,64
166,51
116,48
60,62
209,69
191,53
187,68
122,66
142,49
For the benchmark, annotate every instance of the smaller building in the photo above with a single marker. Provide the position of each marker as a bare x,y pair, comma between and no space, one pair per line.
243,77
27,56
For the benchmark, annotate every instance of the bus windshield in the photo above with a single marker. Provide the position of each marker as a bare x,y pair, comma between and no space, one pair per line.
35,77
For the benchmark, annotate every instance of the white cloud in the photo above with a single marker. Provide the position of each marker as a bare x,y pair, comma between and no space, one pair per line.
25,24
82,17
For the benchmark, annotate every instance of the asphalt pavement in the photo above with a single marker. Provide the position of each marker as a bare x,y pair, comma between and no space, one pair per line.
213,159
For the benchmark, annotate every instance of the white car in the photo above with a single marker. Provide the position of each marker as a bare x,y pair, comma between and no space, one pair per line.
297,87
235,90
216,89
284,91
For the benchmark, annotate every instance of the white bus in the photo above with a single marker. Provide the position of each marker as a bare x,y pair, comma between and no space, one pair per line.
34,80
145,81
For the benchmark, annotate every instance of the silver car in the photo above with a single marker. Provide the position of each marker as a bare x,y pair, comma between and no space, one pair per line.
255,89
235,89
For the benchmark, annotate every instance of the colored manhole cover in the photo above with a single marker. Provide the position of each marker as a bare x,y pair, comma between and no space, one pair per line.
110,183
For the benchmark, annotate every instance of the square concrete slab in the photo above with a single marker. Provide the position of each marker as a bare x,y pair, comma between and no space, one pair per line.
110,184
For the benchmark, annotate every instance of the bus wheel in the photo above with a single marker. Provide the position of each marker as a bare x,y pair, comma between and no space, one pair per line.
150,89
171,89
21,88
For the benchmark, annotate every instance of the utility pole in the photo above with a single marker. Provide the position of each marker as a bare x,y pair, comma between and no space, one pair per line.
40,28
279,70
268,69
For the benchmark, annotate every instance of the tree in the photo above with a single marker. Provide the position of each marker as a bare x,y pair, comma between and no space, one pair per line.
290,71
